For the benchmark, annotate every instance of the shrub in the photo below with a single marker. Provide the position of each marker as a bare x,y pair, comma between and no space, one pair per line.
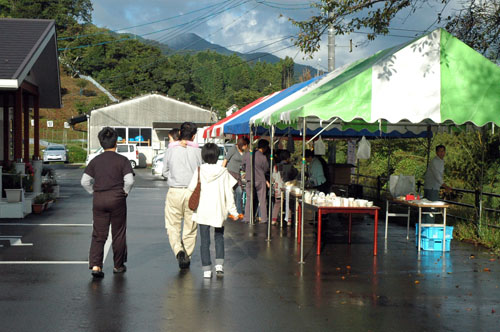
77,154
39,199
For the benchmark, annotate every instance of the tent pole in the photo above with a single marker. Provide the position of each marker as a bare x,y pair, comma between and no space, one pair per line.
302,172
429,141
389,153
322,130
252,221
482,140
269,215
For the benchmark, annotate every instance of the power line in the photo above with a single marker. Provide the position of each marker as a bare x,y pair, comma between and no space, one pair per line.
144,34
223,28
201,20
165,58
280,6
144,24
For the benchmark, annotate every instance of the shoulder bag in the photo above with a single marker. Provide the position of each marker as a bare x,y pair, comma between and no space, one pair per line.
194,200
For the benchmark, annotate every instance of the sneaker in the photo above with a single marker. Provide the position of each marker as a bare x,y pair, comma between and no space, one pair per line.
207,274
241,216
183,260
120,269
234,218
219,270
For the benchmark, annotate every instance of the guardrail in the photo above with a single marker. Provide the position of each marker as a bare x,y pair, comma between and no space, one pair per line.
377,190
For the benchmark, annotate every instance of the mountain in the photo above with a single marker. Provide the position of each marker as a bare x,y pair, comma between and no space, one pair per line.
192,43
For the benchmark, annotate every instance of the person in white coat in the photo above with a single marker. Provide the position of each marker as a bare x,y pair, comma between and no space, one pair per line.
216,203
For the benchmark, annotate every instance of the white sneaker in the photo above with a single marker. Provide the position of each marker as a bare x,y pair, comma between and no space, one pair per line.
219,269
207,274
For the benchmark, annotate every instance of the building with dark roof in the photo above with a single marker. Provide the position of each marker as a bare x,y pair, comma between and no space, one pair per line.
29,79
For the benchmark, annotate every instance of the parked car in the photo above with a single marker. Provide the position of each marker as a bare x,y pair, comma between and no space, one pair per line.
157,164
55,152
128,150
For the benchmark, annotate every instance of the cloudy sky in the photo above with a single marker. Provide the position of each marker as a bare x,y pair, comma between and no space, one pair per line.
250,25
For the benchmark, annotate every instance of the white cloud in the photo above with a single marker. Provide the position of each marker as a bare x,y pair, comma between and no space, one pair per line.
254,25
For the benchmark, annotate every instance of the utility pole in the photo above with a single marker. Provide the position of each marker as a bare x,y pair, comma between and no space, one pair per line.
331,47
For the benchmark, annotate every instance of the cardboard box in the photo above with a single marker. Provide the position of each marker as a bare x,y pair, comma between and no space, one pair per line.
340,173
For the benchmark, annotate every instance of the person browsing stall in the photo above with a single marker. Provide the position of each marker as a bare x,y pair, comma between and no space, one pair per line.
233,161
261,169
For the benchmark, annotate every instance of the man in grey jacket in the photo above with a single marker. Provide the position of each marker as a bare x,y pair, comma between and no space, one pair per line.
179,165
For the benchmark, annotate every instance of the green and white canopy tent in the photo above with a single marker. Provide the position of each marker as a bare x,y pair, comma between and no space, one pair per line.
435,80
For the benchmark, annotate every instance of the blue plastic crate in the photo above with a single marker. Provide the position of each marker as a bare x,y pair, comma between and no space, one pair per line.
435,232
433,244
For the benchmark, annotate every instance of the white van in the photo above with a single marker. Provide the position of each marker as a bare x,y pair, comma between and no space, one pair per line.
128,150
157,165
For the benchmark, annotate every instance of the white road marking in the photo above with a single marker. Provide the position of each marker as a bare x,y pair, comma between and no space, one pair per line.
42,262
27,224
15,241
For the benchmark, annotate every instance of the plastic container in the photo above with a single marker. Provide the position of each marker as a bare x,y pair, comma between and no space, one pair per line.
435,232
433,244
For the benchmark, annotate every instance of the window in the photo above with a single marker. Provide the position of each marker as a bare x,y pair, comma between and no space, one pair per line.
122,134
122,148
55,147
139,136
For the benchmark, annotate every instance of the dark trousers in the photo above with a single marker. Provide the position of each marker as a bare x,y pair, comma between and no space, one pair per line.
431,195
206,262
109,207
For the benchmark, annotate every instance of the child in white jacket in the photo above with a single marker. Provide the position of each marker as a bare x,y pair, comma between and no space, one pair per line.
216,202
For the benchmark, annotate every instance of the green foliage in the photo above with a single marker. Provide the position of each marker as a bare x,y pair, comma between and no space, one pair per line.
39,199
76,154
478,25
129,67
66,13
83,107
483,235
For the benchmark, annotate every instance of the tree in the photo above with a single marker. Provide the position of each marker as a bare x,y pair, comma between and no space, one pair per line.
67,13
350,15
478,25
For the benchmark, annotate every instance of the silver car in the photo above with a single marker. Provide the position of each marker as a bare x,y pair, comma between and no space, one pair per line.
55,153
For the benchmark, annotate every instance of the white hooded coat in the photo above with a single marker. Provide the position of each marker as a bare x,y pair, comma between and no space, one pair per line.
216,196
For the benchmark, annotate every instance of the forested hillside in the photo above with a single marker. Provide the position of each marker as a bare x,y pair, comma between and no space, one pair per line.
129,67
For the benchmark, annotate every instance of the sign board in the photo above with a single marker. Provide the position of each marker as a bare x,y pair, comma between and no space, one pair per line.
66,125
156,146
32,122
50,123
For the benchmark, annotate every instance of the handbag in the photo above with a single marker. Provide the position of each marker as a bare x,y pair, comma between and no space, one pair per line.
194,200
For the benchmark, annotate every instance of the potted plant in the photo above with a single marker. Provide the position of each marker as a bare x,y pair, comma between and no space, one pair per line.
38,203
49,183
49,200
11,182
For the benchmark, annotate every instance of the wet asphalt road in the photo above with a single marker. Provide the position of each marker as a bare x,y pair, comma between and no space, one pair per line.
46,286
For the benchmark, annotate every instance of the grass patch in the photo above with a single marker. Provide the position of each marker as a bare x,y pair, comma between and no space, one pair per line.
76,153
488,237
